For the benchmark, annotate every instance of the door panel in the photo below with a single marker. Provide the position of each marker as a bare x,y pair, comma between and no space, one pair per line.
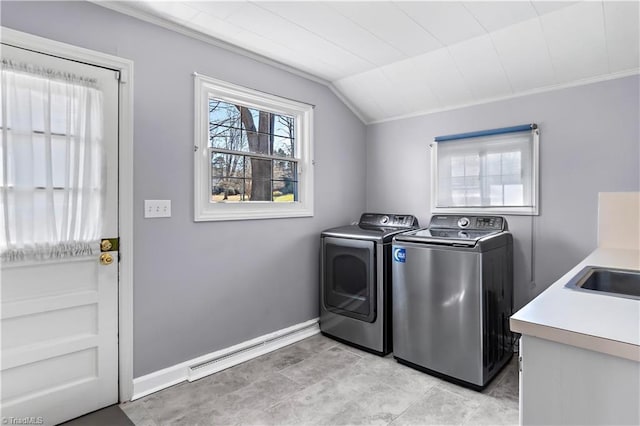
35,280
59,318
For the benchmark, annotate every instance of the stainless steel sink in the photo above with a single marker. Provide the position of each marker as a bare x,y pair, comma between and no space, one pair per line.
612,282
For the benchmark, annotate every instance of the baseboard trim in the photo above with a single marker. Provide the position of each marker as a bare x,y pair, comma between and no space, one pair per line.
213,362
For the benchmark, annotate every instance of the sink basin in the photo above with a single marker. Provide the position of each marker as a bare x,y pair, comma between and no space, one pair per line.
612,282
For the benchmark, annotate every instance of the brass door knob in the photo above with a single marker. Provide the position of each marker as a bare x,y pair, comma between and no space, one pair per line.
106,245
106,259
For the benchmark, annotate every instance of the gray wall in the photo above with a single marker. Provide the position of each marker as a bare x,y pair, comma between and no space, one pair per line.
589,143
231,281
200,287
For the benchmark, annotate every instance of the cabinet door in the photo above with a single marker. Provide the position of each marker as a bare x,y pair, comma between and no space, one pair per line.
564,384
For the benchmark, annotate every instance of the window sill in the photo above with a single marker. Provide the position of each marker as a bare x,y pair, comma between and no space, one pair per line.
515,211
227,212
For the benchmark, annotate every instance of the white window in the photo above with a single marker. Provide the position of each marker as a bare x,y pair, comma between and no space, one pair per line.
253,154
493,171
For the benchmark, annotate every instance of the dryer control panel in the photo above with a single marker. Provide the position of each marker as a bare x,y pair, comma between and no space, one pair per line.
388,220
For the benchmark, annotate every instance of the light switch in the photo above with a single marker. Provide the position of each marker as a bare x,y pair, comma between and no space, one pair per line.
157,208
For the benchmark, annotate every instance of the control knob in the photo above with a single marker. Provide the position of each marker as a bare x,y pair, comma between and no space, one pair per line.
384,220
463,222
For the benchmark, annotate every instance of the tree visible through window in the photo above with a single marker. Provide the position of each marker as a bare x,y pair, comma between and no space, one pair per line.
252,154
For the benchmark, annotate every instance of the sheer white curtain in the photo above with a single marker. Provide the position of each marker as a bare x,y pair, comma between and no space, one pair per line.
51,164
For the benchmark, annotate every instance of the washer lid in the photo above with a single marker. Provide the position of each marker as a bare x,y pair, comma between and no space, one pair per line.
451,237
456,230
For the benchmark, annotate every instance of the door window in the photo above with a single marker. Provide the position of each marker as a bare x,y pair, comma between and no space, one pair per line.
51,162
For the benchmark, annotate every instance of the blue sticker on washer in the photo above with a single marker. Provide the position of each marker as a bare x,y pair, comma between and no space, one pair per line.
399,255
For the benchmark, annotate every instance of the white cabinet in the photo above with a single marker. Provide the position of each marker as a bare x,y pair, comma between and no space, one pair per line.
581,352
562,384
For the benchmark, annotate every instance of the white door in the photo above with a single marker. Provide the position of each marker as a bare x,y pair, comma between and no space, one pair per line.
58,182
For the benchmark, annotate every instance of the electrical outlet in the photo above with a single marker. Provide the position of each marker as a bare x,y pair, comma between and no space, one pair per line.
157,208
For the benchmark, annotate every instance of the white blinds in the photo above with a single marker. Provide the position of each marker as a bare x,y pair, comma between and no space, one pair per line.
51,165
488,171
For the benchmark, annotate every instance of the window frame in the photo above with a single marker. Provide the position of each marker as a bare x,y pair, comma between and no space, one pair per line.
504,210
205,210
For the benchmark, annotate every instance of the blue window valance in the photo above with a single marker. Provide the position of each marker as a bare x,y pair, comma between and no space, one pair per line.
490,132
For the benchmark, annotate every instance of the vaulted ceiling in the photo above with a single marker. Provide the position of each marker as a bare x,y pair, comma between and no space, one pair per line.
391,59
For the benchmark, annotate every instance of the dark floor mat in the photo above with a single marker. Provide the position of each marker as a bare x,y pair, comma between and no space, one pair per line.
110,416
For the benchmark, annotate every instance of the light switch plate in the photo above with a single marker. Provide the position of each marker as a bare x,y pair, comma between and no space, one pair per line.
157,208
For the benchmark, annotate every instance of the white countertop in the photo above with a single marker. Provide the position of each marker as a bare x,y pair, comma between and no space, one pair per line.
589,320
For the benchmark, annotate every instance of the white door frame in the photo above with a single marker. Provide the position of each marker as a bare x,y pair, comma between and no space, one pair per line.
125,176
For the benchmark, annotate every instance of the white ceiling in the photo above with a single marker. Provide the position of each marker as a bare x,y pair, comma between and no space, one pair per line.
391,59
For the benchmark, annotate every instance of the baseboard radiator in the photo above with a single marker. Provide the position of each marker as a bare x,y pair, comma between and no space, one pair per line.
251,349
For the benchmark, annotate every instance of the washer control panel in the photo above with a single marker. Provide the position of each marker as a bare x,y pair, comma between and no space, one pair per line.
388,220
463,222
477,223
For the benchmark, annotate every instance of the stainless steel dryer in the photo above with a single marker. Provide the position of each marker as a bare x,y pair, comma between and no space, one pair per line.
452,298
355,284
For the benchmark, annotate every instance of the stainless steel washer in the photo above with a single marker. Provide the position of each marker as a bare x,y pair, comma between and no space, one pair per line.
355,284
452,298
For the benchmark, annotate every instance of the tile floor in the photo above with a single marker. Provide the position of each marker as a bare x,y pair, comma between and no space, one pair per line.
318,381
109,416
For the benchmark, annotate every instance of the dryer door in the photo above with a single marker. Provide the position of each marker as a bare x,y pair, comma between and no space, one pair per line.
349,277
